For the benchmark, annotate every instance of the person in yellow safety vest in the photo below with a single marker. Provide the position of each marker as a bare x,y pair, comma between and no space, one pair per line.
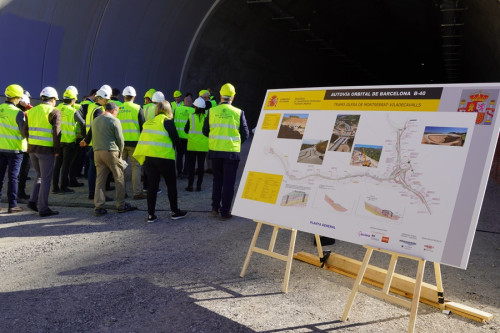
94,110
85,103
70,118
149,113
197,145
131,117
115,92
43,130
11,143
177,100
205,94
155,150
226,129
181,116
147,96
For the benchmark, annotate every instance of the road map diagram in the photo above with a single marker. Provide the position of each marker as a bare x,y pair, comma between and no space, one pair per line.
383,178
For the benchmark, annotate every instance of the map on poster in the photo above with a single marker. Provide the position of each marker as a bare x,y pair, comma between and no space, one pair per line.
400,168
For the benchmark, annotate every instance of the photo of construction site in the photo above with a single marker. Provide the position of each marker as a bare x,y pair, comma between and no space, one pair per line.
312,151
343,133
295,198
366,155
293,126
444,136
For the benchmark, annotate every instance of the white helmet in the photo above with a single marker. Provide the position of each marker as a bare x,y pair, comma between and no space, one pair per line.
103,93
199,102
158,97
107,89
73,89
129,91
25,99
49,92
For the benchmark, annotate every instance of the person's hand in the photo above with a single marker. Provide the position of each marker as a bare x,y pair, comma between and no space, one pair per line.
83,143
56,154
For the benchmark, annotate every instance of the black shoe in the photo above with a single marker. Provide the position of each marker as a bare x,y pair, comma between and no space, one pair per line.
178,215
22,195
66,190
100,212
189,189
151,218
48,212
55,190
325,240
75,184
225,217
198,188
33,206
126,208
91,197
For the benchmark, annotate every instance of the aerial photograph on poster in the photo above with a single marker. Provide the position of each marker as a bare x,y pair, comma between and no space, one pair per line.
344,132
312,151
366,155
292,126
444,136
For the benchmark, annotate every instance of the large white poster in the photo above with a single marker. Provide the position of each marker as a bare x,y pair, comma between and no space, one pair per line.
402,168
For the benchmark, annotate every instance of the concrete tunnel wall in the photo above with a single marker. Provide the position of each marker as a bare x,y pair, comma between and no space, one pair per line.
192,45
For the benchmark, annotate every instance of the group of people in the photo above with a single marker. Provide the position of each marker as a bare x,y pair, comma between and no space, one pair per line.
158,139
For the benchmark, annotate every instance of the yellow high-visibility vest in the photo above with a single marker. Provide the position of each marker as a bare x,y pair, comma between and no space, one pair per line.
224,134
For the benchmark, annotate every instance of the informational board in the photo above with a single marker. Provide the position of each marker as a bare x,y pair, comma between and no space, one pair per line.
403,168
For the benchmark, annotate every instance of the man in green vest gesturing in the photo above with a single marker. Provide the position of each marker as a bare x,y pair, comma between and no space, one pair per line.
226,128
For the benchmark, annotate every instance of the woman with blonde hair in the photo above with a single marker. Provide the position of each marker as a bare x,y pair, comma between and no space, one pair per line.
156,151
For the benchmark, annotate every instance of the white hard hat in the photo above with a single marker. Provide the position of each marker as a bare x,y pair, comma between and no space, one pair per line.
199,102
158,97
49,92
25,99
107,89
73,89
129,91
103,93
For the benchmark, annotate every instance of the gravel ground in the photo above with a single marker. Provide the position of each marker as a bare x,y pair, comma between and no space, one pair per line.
78,273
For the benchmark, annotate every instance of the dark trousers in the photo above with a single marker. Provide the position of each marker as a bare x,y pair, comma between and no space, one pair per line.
155,169
194,158
12,163
92,173
62,167
180,151
224,171
77,167
23,173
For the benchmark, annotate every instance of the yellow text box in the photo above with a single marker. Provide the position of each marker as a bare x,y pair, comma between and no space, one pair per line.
271,121
263,187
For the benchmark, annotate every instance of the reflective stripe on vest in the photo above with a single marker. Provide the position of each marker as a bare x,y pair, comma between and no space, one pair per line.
9,130
128,116
154,141
40,130
68,123
181,117
196,140
224,134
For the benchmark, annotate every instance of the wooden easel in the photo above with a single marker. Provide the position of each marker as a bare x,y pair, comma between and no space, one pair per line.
270,250
384,293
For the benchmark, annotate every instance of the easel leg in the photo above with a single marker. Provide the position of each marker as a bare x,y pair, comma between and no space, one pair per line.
252,245
319,246
357,283
291,249
416,295
439,285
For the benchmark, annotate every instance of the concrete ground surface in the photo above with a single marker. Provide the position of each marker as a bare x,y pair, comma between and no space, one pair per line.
78,273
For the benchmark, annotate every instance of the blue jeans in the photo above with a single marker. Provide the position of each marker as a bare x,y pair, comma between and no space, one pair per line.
12,162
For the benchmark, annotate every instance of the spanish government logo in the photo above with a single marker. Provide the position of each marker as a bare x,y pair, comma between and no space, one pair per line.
273,101
482,102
